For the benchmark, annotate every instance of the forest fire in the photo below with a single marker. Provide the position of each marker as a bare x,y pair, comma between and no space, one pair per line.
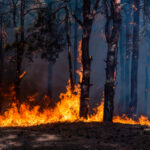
74,74
67,110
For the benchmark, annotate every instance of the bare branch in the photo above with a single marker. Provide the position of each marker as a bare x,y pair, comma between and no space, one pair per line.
78,20
94,11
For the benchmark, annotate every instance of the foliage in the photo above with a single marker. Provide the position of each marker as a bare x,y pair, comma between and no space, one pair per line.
47,35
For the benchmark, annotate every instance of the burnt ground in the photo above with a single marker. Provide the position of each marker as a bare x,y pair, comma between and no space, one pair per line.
76,136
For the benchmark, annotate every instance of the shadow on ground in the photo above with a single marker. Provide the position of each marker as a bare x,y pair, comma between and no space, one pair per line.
76,136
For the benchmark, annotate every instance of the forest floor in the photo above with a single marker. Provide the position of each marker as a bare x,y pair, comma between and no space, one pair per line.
76,136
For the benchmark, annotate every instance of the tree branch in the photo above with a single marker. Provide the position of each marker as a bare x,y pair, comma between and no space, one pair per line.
94,11
78,20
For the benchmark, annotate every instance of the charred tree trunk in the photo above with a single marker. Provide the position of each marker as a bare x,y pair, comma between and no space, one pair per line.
112,36
16,36
75,42
86,59
52,26
88,18
135,57
20,51
1,50
50,78
1,60
69,51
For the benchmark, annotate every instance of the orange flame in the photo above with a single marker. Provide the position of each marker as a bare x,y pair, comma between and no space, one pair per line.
66,110
79,59
22,75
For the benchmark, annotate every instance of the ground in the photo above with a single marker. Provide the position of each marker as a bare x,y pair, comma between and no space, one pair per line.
76,136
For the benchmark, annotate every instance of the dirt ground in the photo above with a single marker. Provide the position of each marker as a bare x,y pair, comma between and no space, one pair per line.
76,136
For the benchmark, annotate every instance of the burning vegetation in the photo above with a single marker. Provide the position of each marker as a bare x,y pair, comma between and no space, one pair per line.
67,110
47,37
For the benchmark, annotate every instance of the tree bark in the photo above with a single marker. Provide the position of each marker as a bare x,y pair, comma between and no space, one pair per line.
135,57
69,50
88,18
50,78
75,42
1,50
1,60
14,5
86,59
146,84
20,51
112,36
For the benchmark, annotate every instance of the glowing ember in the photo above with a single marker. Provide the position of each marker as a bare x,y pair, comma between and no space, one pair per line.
22,75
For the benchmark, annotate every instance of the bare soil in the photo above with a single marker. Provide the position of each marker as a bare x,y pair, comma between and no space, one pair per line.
76,136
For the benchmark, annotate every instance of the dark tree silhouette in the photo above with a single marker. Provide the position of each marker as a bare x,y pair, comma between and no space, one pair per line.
69,49
1,49
113,15
76,41
88,18
19,48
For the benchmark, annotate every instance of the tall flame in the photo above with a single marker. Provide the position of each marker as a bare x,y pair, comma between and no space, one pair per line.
66,110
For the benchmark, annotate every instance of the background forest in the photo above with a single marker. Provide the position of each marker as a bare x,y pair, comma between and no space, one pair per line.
39,42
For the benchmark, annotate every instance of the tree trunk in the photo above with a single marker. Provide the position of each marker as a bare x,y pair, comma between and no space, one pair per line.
16,38
86,59
146,84
1,61
75,42
50,78
135,57
112,36
1,51
69,51
20,51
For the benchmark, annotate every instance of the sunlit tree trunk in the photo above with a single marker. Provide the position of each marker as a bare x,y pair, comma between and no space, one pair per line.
112,35
135,58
